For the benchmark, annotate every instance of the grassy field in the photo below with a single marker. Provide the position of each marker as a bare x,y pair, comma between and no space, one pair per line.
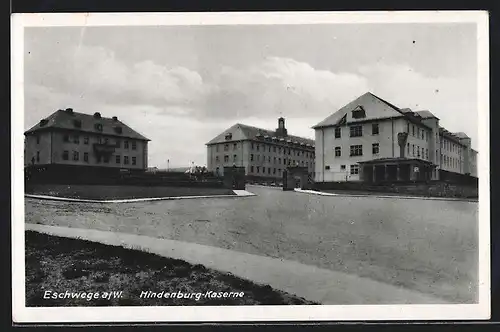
101,192
56,264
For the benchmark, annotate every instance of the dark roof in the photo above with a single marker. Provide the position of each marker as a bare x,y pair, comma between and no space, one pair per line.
64,119
426,114
244,132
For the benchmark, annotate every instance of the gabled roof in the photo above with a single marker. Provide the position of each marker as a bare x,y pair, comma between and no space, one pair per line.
426,114
65,119
377,108
244,132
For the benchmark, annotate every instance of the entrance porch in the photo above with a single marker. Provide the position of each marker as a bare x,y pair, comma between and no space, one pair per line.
395,170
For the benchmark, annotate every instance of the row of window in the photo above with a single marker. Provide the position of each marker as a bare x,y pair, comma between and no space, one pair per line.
450,146
262,170
105,158
419,133
275,160
421,152
271,148
101,140
354,169
450,162
357,150
357,130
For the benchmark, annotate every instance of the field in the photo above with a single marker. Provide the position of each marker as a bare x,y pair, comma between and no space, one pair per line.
56,264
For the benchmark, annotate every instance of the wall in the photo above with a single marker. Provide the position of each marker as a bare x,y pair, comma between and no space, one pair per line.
31,147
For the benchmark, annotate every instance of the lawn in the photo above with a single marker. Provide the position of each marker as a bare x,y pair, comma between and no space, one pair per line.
104,192
59,265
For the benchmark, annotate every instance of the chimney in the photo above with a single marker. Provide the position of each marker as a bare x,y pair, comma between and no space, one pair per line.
97,115
69,110
115,118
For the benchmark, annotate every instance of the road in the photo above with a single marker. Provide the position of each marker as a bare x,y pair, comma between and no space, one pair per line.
424,245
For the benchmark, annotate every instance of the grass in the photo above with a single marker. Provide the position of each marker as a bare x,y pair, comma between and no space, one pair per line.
60,264
103,192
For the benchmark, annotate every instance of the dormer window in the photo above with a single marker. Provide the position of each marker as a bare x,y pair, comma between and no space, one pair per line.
43,122
359,113
229,136
77,123
98,126
118,129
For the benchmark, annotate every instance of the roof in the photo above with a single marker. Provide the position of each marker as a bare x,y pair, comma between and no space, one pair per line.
64,119
395,160
378,109
426,114
244,132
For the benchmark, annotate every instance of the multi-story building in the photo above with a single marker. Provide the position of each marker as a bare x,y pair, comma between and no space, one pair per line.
77,139
263,153
370,139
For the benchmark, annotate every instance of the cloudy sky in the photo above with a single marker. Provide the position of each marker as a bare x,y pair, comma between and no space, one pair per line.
182,85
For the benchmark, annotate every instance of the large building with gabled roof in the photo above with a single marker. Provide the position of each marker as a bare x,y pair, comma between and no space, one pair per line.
372,140
264,153
68,138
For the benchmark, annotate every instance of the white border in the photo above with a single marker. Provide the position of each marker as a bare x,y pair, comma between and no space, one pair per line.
21,314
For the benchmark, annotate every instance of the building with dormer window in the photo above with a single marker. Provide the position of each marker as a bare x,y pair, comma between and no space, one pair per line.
372,140
68,138
264,154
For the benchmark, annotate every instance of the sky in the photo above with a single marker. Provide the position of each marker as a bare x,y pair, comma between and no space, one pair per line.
180,86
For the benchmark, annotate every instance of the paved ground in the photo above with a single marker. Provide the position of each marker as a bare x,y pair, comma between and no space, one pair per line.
423,245
314,284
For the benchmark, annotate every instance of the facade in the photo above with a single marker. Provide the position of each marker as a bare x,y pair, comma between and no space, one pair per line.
372,140
77,139
264,154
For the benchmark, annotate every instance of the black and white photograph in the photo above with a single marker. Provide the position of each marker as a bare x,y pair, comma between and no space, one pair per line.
250,166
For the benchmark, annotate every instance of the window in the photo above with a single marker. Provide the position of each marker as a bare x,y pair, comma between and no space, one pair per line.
418,151
258,169
217,159
289,151
125,144
86,157
118,129
252,147
226,147
234,157
134,160
279,161
274,149
77,123
359,113
235,146
76,155
274,161
354,169
264,170
269,170
37,156
134,145
269,148
251,169
229,136
118,143
375,129
412,130
106,159
37,139
125,160
258,147
338,132
98,126
251,157
338,151
356,131
279,150
118,159
327,167
66,138
86,140
274,170
217,147
269,159
426,153
65,155
226,158
342,167
423,133
413,149
407,148
356,150
375,148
